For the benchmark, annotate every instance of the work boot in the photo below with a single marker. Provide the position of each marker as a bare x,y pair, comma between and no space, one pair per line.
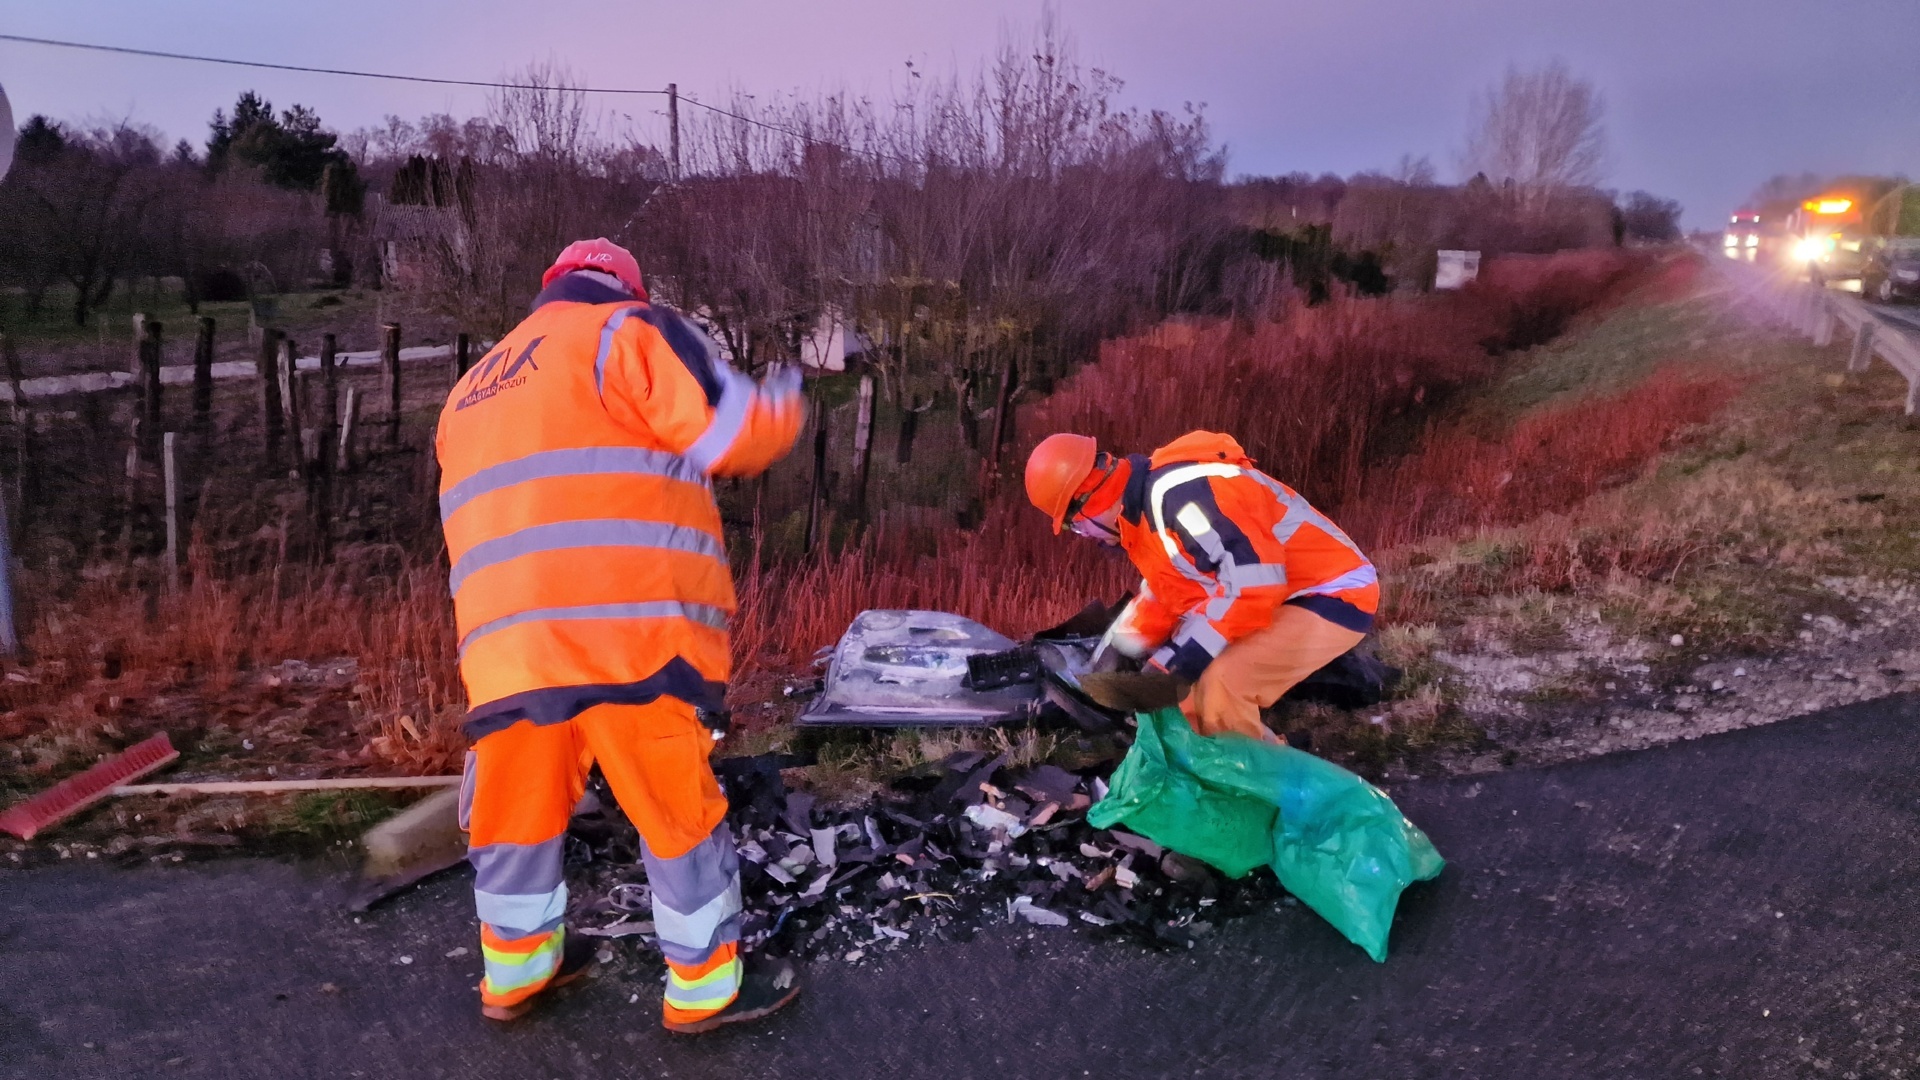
578,956
767,985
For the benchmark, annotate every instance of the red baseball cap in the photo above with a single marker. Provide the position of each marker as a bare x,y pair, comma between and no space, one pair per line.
599,254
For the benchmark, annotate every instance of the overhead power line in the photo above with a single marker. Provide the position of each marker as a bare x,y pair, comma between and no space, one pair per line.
394,77
88,47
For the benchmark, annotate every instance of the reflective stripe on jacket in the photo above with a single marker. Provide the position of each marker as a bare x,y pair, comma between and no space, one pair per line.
588,560
1221,545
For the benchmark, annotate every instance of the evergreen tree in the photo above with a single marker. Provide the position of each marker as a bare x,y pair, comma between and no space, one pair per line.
293,150
41,140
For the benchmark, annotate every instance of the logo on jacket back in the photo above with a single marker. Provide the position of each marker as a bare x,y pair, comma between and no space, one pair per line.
495,375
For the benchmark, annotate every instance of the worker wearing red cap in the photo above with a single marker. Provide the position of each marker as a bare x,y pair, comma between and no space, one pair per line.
1246,590
591,596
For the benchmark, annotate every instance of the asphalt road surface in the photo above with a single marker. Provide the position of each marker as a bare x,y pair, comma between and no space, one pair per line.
1745,905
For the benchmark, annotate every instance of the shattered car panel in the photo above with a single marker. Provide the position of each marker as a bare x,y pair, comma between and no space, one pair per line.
919,668
909,669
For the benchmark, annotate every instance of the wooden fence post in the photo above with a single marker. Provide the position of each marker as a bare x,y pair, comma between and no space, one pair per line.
862,446
1003,403
816,499
390,362
271,415
909,427
15,377
22,419
149,354
132,496
9,636
349,419
173,511
290,400
330,385
203,377
320,483
963,393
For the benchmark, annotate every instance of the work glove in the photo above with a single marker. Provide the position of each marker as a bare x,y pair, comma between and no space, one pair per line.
781,382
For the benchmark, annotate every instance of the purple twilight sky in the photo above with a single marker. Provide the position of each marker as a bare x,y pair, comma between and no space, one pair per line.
1706,98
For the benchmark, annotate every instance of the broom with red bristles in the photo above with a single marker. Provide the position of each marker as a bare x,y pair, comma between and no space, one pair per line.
76,793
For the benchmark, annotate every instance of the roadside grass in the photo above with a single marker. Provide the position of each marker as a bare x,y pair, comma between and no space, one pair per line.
1661,469
305,823
1723,542
49,342
327,817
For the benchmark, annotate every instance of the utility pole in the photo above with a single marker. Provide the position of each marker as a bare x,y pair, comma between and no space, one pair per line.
673,131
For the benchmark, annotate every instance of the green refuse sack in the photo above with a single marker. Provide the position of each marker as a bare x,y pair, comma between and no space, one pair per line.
1334,840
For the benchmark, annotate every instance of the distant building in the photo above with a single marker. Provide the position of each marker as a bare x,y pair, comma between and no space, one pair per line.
421,221
1457,268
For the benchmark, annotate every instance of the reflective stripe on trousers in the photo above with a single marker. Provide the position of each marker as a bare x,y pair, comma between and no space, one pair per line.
696,898
521,898
516,969
518,888
696,912
699,990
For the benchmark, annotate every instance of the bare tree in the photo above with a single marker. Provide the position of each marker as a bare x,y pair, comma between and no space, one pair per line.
485,205
1540,131
1648,217
85,201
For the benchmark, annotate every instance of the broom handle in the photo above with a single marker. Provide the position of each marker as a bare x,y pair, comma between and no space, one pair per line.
269,787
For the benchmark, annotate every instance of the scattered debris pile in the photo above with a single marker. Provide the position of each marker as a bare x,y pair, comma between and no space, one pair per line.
960,844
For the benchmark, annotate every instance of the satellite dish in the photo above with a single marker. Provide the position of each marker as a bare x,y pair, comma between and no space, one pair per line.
6,133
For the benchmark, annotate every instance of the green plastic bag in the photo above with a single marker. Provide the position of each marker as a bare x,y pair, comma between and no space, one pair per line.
1334,840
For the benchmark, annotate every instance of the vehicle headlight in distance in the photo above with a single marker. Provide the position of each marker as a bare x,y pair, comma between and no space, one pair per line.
1808,249
1753,241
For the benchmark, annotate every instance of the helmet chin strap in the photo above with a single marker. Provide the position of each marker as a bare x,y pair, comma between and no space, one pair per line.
1098,527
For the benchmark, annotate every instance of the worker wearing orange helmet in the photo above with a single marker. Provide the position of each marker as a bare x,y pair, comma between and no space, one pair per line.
591,595
1246,590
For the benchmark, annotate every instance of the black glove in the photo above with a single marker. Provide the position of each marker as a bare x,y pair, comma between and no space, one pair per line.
719,721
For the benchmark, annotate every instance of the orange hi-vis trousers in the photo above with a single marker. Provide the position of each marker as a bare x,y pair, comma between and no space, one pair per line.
1257,670
520,789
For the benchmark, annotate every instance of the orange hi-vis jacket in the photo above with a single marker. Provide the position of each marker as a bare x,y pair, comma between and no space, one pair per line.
1220,546
588,561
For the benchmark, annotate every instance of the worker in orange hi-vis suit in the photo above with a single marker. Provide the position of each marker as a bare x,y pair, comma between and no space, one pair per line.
591,595
1246,590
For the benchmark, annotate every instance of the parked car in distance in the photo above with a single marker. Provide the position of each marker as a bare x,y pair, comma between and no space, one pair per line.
1893,271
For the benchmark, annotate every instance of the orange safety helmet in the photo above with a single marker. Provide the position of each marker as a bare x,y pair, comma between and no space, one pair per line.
599,254
1055,471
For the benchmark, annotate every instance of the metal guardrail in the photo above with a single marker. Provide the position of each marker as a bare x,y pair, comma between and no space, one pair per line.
1819,313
